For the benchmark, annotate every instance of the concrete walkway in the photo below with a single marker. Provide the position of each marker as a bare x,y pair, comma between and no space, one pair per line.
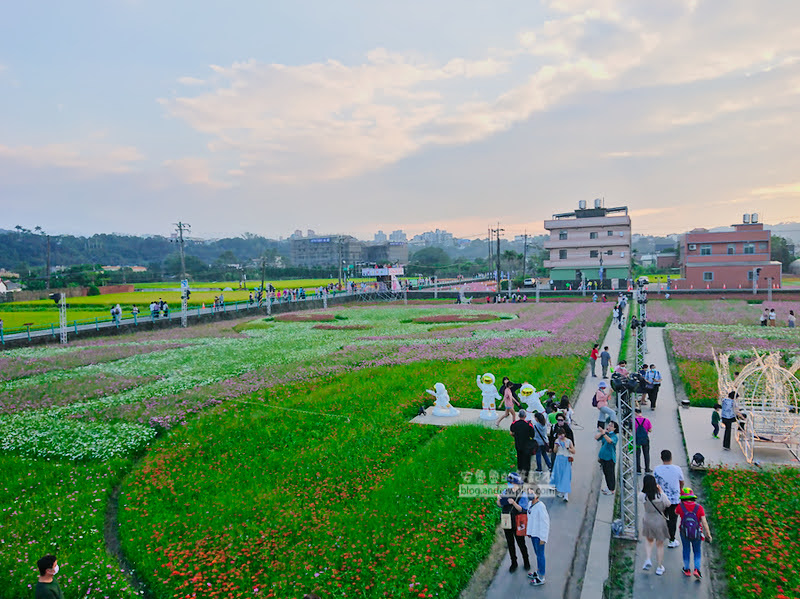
666,434
571,523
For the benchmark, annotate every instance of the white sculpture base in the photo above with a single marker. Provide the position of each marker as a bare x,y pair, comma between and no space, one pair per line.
488,414
445,411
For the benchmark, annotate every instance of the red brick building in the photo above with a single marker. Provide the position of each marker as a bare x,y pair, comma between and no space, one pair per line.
729,260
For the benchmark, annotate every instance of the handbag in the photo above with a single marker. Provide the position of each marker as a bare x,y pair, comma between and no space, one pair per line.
522,524
505,521
658,510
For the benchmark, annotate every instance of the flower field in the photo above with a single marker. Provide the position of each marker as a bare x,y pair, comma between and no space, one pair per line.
235,421
697,328
755,520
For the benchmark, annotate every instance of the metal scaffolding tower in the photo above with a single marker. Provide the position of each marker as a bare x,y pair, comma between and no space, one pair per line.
640,327
62,317
628,503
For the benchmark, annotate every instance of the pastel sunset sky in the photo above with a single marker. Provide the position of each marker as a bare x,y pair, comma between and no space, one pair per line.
353,116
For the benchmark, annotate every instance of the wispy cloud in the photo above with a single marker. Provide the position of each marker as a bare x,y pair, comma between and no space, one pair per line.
90,157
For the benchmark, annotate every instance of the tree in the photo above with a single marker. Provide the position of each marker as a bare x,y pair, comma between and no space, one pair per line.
431,256
781,252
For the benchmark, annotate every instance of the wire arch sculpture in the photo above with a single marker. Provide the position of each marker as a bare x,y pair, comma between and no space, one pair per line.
767,402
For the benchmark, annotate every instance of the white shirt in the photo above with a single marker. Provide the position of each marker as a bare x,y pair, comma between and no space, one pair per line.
538,521
669,477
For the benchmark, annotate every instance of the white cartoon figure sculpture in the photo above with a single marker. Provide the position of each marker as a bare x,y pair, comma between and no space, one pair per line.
442,407
528,394
490,394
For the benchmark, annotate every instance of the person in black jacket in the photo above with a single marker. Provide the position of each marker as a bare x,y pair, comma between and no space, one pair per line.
514,502
561,423
522,431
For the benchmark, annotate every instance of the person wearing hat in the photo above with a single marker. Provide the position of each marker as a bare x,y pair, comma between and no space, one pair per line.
693,525
601,398
514,501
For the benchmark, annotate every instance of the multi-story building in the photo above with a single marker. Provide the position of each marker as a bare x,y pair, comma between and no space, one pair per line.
591,244
398,235
380,237
729,259
330,250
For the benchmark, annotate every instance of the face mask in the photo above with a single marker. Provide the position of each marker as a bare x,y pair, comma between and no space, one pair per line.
55,570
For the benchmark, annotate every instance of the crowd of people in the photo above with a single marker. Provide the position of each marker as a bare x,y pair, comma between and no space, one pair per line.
769,318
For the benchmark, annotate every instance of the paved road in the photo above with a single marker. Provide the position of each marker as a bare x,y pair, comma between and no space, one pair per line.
569,538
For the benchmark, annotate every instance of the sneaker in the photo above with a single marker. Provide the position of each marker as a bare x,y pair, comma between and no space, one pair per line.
660,570
715,436
537,582
512,568
606,492
697,574
687,572
647,565
673,544
638,473
533,575
566,497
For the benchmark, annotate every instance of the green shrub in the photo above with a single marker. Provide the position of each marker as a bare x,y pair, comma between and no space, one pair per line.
93,290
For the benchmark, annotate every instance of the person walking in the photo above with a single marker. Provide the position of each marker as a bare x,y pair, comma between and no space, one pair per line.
654,523
608,455
514,502
715,418
561,476
509,393
653,378
728,414
522,431
600,401
792,320
772,318
764,317
539,531
670,478
605,361
542,447
595,353
643,426
693,526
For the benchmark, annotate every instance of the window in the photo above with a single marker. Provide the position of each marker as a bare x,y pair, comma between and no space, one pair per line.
609,252
731,248
593,253
562,235
749,248
593,235
749,275
708,276
562,254
762,245
611,233
705,250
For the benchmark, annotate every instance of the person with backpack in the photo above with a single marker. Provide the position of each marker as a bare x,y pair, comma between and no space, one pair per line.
643,428
694,530
653,378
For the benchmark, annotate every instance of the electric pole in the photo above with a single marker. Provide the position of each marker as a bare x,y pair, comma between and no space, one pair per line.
48,262
524,256
180,228
490,262
498,230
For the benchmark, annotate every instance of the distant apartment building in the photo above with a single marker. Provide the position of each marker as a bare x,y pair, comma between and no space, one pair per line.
380,237
398,235
591,243
330,250
437,237
729,259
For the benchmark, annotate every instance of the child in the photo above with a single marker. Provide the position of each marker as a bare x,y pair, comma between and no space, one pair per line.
715,417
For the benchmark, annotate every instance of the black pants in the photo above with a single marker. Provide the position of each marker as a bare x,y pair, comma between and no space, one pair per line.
610,472
672,521
512,538
726,440
652,395
645,449
523,461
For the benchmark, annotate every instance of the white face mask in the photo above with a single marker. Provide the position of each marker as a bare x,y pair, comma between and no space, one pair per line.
55,569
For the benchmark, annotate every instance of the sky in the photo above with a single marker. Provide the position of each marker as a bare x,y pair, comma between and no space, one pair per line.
258,116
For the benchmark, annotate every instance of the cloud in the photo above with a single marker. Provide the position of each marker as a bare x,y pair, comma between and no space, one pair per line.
778,190
90,157
194,171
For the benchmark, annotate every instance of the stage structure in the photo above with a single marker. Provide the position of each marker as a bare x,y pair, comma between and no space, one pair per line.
767,402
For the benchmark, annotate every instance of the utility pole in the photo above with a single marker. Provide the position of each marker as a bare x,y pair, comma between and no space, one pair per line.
490,262
48,262
340,261
180,228
498,230
524,255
